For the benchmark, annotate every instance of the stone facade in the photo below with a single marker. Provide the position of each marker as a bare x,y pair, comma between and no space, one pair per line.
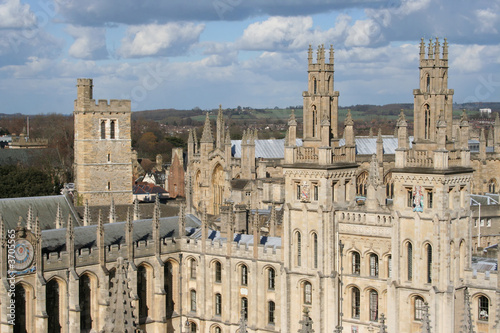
321,239
103,158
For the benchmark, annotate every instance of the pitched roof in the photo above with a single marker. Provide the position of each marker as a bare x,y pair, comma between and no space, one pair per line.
272,148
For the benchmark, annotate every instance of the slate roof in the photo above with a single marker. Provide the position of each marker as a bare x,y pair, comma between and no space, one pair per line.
44,207
272,148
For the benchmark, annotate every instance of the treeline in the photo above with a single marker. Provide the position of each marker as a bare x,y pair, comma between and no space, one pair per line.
19,181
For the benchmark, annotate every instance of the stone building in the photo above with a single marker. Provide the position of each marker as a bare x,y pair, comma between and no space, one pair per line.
103,156
283,236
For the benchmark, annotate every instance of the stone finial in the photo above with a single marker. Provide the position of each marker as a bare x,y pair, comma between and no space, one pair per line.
422,47
100,224
120,313
30,218
310,54
292,121
464,119
379,135
445,49
431,49
70,231
59,218
306,322
374,174
243,322
348,119
228,137
437,49
112,211
207,131
191,136
370,133
402,120
383,327
87,219
331,54
137,212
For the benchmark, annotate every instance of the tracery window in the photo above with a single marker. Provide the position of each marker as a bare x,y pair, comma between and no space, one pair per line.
373,265
355,302
218,271
483,308
244,275
418,308
52,306
85,299
271,276
356,263
373,305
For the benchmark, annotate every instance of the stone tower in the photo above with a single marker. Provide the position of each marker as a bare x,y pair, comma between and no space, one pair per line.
432,99
320,100
103,156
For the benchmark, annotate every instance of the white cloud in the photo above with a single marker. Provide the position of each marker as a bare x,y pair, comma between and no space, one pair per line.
15,15
362,33
158,39
468,58
90,43
486,20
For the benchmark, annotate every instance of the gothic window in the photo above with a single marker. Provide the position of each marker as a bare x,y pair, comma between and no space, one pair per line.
428,249
192,269
483,308
361,180
20,319
192,327
103,129
169,288
142,291
389,265
298,192
193,300
244,307
373,305
492,185
356,263
85,304
409,197
418,308
271,277
373,265
427,83
244,275
112,129
355,302
217,329
389,186
409,262
270,312
314,120
299,248
218,271
307,293
315,249
52,306
315,192
427,122
430,198
218,304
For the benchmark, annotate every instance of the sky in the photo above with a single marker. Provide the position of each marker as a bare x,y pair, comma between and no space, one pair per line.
202,53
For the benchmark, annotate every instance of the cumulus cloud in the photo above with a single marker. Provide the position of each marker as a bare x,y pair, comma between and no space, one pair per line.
486,19
13,14
158,39
90,43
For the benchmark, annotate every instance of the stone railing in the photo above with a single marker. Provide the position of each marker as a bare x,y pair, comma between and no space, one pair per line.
419,158
306,155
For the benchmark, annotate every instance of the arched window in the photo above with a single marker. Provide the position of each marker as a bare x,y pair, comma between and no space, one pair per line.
483,309
218,304
315,86
299,248
142,292
373,305
244,275
112,129
409,248
192,327
270,312
373,265
389,265
217,329
492,185
52,306
193,300
427,83
356,263
418,308
20,319
389,185
355,302
192,267
428,251
169,288
85,300
218,271
315,250
314,119
427,121
103,129
244,307
271,276
361,180
307,293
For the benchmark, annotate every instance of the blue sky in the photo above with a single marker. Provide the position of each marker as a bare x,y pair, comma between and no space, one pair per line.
202,53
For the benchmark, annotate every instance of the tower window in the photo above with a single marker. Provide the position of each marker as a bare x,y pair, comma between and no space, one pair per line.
373,305
409,197
244,275
429,263
307,293
142,291
373,265
218,304
483,308
429,198
271,279
109,157
316,192
428,83
109,186
355,303
410,261
244,307
299,249
193,300
427,121
418,308
271,307
315,86
192,266
218,271
112,129
356,263
315,250
103,129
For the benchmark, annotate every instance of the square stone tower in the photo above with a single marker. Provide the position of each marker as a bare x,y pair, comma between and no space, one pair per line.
103,154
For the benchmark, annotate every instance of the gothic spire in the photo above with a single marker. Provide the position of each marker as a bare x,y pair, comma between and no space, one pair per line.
87,220
348,119
431,49
445,49
137,212
402,120
207,131
30,218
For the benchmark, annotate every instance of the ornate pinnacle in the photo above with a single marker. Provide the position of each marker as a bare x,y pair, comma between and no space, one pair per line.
402,119
306,322
348,119
207,131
